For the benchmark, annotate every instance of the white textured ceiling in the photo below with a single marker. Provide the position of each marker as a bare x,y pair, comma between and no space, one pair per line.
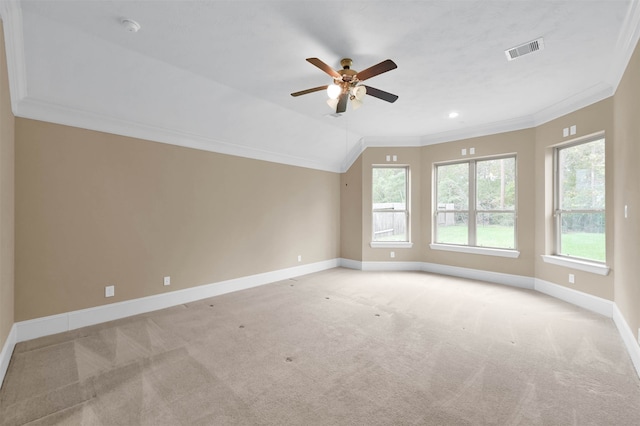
217,75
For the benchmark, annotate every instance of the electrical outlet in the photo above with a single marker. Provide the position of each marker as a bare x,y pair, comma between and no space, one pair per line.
109,291
392,254
167,280
299,258
472,151
572,278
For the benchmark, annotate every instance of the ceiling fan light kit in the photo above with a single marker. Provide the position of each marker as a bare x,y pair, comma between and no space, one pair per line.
346,87
333,91
332,102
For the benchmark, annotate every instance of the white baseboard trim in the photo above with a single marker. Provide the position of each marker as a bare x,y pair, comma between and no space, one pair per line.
477,274
628,337
39,327
392,266
456,271
351,264
575,297
7,351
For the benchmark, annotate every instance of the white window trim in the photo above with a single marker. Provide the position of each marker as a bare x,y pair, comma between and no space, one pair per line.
582,265
476,250
565,260
395,244
391,244
501,252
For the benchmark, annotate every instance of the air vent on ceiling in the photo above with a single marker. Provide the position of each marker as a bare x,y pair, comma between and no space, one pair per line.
524,49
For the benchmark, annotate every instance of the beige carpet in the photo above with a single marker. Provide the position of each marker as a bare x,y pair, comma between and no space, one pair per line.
338,347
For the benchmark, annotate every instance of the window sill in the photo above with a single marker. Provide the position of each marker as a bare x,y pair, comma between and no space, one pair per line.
477,250
390,244
582,265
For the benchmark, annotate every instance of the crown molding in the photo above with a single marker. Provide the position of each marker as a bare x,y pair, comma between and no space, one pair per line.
23,106
573,103
37,109
627,41
393,141
353,155
480,130
583,99
626,44
51,112
11,15
368,142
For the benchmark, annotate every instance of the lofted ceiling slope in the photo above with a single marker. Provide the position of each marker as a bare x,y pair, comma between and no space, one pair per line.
217,75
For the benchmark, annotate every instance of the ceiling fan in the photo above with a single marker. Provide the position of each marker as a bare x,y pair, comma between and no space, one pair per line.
345,85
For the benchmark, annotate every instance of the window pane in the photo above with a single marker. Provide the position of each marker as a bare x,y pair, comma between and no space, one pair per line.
496,230
581,176
452,228
453,186
389,226
582,235
390,188
496,184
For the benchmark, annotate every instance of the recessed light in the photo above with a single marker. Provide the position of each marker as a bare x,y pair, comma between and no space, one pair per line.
453,114
130,25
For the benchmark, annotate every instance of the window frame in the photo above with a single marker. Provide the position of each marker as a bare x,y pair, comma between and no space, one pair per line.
407,214
557,211
472,211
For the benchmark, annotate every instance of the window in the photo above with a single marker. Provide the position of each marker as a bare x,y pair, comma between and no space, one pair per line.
476,203
390,207
580,200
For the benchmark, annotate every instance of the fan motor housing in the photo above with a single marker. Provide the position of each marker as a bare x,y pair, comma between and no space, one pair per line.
346,72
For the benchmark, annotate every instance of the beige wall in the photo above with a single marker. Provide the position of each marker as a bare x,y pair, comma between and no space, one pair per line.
592,119
533,148
420,161
351,212
626,191
6,200
95,209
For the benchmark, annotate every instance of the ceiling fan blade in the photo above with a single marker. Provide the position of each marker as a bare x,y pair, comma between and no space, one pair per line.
381,94
304,92
324,67
342,103
377,69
